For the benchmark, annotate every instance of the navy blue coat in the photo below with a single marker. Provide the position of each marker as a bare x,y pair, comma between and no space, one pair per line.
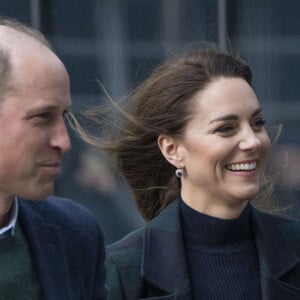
151,262
67,248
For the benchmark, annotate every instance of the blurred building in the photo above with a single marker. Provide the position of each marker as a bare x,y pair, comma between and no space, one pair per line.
119,42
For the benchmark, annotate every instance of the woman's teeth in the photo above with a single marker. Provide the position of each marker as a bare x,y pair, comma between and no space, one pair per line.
242,167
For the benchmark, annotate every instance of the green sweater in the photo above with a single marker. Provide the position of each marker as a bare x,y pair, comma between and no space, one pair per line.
18,279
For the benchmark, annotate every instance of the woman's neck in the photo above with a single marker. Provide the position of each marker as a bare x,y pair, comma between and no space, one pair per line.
218,209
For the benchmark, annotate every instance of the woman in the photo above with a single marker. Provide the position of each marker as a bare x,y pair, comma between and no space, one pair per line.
193,149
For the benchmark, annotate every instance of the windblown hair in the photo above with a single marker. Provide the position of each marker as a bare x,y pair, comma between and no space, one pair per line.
162,104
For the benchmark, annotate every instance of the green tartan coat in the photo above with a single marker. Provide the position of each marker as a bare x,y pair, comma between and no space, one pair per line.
150,263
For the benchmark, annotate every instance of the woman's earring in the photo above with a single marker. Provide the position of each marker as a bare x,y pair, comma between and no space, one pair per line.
179,172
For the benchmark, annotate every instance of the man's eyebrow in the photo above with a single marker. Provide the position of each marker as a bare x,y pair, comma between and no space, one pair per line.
43,107
231,117
47,107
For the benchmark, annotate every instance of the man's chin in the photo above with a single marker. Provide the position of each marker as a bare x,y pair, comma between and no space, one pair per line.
37,195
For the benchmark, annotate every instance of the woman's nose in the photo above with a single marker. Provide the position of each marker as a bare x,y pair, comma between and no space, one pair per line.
250,140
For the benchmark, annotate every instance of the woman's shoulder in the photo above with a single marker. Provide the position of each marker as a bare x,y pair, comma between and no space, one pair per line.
283,220
288,227
128,249
123,265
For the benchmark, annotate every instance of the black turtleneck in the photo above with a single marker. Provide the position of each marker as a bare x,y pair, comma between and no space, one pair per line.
221,255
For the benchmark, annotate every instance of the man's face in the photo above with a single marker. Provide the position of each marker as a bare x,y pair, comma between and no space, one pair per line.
33,135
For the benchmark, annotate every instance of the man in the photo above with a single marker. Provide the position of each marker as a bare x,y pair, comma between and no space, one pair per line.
50,249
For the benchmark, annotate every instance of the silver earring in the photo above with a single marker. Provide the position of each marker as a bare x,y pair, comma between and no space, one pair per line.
179,172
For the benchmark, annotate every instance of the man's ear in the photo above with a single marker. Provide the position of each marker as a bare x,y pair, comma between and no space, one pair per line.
170,150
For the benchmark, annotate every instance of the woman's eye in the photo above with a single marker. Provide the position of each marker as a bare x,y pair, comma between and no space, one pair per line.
259,123
225,129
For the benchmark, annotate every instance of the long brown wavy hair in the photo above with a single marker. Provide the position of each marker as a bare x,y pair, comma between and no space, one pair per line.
159,105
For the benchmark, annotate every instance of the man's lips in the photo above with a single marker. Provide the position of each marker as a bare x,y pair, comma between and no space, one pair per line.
53,168
54,164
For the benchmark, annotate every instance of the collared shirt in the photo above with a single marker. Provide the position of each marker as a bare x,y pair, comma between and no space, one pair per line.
9,229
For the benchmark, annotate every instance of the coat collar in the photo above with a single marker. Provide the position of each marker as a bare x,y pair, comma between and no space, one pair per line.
164,258
279,263
276,256
46,244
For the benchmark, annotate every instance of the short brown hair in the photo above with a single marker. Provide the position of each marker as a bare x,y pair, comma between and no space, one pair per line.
5,64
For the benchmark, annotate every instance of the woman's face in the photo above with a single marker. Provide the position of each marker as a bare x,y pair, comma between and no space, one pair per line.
224,146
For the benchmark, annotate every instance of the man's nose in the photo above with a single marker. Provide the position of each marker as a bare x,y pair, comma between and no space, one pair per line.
60,138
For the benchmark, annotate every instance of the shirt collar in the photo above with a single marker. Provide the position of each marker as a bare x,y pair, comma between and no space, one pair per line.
9,229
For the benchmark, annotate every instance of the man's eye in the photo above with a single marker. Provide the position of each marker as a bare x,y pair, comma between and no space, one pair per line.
43,116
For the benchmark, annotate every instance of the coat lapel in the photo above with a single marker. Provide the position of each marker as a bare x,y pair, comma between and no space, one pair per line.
164,260
164,263
279,264
48,252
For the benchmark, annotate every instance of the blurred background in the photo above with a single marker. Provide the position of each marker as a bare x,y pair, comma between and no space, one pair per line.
119,42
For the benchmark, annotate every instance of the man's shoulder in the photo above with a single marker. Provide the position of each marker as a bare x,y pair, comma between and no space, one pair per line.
59,212
64,235
58,205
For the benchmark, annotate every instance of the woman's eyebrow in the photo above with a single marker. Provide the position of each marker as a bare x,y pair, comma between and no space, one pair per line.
224,118
234,117
258,111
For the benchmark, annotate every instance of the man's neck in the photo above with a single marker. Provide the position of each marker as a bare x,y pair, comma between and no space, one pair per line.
5,211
